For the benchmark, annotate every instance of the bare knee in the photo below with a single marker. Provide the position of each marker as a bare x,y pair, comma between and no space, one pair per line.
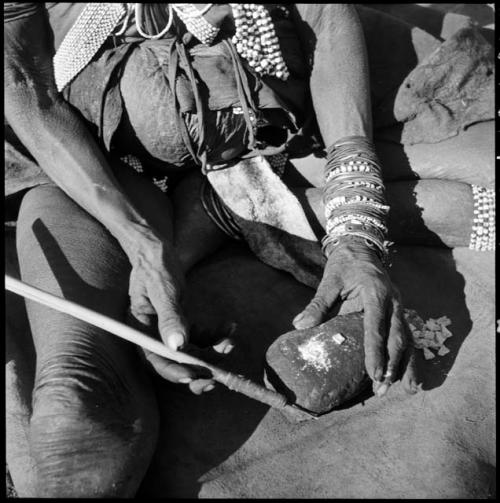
89,435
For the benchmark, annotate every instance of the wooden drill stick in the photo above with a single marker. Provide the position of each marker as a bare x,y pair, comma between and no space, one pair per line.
232,381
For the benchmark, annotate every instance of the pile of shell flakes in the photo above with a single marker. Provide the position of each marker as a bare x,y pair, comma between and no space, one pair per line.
430,335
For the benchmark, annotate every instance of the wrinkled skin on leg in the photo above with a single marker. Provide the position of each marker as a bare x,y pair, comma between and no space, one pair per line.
338,40
94,422
74,400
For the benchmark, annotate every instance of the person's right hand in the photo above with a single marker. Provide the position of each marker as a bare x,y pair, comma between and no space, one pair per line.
156,287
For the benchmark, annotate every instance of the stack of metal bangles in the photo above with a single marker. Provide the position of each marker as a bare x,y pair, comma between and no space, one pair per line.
354,196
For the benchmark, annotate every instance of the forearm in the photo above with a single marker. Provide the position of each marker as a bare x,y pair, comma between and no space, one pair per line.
56,136
66,151
354,197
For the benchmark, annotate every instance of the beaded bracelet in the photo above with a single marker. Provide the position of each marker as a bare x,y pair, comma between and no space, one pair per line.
354,196
372,231
337,202
356,218
329,242
483,229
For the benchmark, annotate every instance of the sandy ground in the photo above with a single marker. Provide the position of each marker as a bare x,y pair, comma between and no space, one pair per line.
481,13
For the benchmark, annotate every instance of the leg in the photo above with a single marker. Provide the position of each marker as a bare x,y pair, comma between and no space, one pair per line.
195,234
468,158
436,210
424,212
19,378
94,422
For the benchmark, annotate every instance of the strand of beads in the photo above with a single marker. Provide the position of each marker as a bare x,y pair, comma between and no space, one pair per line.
255,40
217,211
133,161
483,229
195,23
161,183
125,23
278,162
86,36
354,195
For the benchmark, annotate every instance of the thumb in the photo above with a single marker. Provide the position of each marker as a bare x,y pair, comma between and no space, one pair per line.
172,325
316,310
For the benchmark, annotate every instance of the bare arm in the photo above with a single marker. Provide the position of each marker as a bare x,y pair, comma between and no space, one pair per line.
63,147
56,136
333,40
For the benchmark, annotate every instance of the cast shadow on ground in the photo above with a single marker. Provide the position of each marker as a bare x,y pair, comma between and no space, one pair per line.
233,285
206,430
416,258
431,295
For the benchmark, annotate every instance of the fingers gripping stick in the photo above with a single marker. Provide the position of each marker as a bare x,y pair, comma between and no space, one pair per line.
232,381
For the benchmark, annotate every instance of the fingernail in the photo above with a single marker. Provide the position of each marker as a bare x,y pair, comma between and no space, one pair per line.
210,387
298,318
382,390
175,341
185,380
228,349
303,322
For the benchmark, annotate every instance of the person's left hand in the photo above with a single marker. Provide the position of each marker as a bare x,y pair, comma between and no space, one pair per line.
199,379
354,269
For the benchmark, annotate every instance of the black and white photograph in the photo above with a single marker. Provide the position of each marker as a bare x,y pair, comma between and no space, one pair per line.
250,250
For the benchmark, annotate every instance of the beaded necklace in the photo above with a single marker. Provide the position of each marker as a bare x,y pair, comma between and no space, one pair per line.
255,38
192,17
195,23
256,41
138,22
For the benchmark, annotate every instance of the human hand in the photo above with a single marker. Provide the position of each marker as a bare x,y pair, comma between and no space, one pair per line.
197,378
155,289
353,270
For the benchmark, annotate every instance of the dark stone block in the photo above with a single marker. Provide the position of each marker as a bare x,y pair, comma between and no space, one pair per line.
317,368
